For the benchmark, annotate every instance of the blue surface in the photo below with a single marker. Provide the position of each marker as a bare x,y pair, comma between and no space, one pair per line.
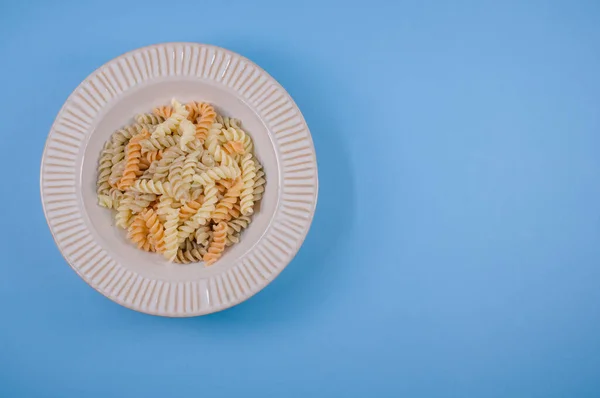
455,250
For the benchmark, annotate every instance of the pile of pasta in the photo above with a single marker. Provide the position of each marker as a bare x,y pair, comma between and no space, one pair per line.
183,180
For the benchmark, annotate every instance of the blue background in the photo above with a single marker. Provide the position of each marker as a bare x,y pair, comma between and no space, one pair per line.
455,249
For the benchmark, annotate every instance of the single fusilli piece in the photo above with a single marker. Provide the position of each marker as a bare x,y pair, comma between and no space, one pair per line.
149,118
188,133
157,143
234,229
116,173
259,182
132,163
171,124
115,196
156,230
216,173
163,111
226,204
153,187
204,120
104,167
140,201
190,253
248,174
124,215
165,204
203,235
171,242
138,233
175,178
217,244
105,201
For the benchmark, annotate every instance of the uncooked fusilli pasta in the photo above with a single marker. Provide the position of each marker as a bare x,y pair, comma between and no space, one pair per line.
183,181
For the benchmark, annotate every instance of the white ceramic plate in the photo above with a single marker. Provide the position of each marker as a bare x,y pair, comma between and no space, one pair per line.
136,82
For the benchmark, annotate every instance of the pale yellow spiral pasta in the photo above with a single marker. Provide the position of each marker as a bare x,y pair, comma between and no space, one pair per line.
216,173
124,215
203,235
153,187
171,242
248,174
188,133
156,143
228,121
259,182
138,233
170,125
165,204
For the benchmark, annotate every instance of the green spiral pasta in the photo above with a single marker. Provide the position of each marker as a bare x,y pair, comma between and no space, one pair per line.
234,229
190,253
105,165
149,118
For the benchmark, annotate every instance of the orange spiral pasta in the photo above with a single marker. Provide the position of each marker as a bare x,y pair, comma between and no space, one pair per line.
234,147
138,233
156,230
189,209
132,162
217,244
205,119
163,111
222,209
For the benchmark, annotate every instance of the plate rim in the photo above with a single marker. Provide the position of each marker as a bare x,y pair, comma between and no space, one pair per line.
77,194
